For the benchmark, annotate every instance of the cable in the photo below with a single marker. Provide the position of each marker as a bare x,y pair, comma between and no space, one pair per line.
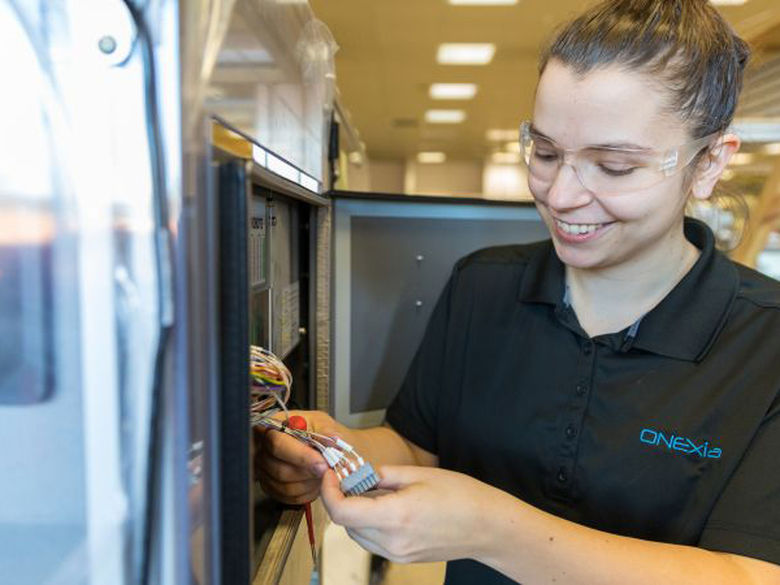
164,301
271,382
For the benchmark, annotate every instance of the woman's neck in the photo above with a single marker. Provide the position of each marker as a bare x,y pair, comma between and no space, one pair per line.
610,299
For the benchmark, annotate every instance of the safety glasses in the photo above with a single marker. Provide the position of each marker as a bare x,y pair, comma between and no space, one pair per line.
605,170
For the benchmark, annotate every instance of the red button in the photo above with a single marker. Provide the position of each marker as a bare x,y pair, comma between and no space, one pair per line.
297,422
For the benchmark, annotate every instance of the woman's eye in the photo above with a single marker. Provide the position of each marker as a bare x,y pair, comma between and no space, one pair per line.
615,171
545,156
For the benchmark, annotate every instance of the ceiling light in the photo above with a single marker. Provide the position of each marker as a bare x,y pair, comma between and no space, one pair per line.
728,2
772,148
512,147
453,91
244,57
742,158
431,157
445,116
497,135
465,53
483,2
505,158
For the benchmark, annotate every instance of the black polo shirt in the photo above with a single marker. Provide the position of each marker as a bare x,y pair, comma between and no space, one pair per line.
666,431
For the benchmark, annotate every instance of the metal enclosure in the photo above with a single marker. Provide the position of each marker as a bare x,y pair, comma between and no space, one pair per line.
266,259
109,270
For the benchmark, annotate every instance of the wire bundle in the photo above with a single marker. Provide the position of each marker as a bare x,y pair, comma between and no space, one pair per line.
270,381
339,455
270,388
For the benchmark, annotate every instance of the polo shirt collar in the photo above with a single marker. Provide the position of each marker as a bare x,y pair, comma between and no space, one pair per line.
544,279
685,324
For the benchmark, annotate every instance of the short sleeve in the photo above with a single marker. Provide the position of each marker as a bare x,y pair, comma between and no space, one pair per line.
746,517
414,411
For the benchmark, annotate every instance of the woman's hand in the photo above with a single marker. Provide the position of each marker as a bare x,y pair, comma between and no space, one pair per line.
417,515
421,514
288,470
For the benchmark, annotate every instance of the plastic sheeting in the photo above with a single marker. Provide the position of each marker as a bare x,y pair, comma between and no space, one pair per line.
266,68
78,292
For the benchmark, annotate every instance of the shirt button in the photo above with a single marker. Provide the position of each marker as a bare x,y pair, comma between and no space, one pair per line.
562,476
587,347
581,388
571,432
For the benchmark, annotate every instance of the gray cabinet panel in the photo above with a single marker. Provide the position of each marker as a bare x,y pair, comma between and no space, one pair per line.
399,258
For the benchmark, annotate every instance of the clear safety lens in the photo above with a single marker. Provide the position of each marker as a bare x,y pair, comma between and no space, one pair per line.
603,170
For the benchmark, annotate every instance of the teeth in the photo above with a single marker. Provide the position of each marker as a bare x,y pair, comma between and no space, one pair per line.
578,228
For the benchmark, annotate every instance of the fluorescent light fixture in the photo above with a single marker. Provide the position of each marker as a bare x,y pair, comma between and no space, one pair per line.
728,2
244,57
505,158
431,157
728,175
309,183
757,129
772,148
453,91
259,155
465,53
513,147
497,135
283,169
445,116
483,2
742,158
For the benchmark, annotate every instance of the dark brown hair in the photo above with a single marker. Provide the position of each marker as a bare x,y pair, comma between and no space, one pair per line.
686,45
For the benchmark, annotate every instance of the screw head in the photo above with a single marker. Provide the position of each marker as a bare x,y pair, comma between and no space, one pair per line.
107,44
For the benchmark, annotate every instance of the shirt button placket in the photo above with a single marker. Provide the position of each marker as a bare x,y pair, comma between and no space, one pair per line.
587,348
563,475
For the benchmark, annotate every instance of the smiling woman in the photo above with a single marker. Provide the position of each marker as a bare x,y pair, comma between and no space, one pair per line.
602,407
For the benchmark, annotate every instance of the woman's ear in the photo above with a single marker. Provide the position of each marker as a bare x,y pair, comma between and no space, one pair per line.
712,165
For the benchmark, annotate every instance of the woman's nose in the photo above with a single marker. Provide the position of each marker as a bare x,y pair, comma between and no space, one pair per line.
567,190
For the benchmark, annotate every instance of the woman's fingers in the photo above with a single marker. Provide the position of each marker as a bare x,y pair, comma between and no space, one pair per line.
290,450
285,472
291,493
288,469
355,511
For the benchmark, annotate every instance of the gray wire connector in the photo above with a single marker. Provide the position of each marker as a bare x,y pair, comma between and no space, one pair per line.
360,480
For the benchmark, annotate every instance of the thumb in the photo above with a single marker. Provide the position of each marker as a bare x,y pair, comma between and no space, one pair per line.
396,477
330,490
354,512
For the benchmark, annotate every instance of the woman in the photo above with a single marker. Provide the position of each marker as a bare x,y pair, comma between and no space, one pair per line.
601,408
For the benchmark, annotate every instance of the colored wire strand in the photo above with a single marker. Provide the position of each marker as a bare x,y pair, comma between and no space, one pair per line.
270,390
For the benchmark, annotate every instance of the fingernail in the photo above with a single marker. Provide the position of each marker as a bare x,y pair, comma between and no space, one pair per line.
320,468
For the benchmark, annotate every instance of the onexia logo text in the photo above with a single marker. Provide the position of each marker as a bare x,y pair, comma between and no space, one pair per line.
678,443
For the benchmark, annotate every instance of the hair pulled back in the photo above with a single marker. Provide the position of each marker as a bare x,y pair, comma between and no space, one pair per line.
686,45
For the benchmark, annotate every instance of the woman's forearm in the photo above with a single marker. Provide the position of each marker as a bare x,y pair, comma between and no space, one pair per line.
536,548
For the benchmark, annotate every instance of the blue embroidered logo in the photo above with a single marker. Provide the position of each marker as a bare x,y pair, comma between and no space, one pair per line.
678,443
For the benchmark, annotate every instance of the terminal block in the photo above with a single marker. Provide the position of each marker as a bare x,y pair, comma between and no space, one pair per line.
363,479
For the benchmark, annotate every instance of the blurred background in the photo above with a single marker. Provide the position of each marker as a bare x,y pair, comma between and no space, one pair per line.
436,89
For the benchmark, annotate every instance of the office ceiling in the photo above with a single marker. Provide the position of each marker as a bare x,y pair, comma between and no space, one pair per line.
386,63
